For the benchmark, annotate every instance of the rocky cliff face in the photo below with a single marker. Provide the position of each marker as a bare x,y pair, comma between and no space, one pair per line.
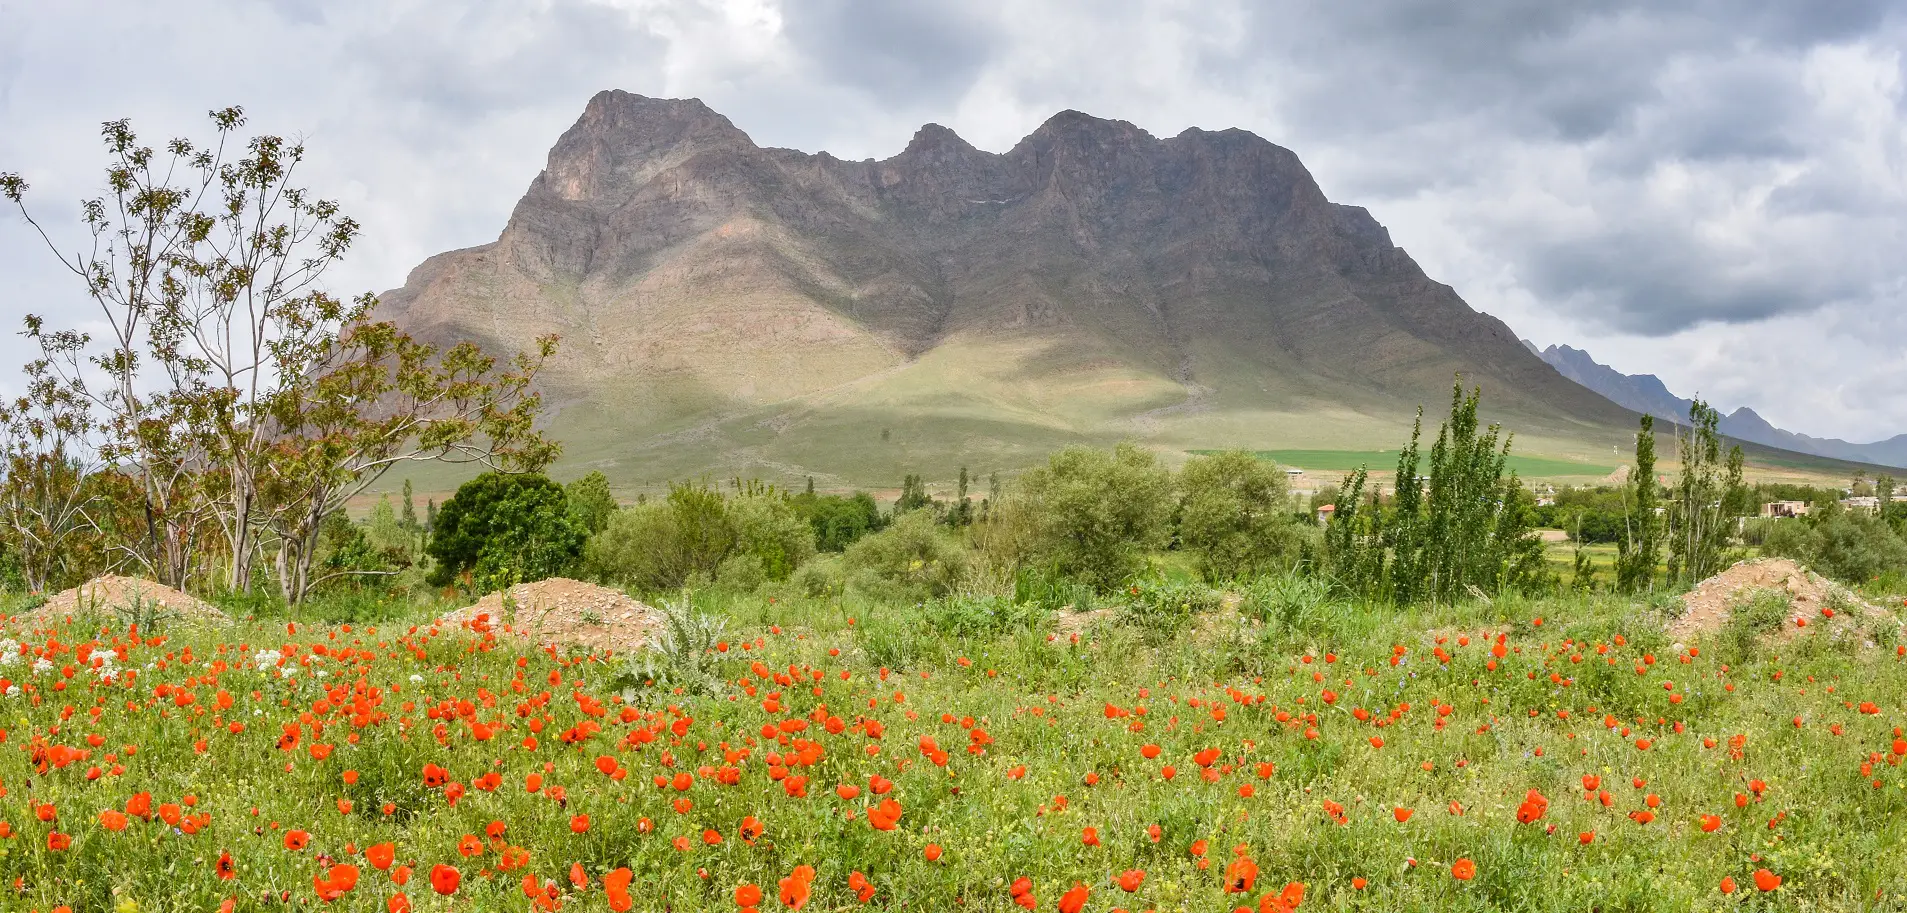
694,274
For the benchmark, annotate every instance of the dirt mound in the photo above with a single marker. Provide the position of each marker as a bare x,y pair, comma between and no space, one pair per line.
1707,607
566,613
120,597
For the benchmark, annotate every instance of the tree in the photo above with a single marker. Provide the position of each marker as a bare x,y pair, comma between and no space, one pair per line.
591,502
659,545
409,518
839,522
1234,514
1641,543
769,529
49,496
1096,514
960,514
504,529
243,401
913,496
1708,498
1465,528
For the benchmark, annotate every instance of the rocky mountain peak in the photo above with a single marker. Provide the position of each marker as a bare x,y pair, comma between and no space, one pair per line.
622,139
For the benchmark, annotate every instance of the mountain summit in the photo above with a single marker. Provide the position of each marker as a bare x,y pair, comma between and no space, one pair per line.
732,308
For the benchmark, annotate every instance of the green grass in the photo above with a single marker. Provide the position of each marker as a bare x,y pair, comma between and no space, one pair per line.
1279,695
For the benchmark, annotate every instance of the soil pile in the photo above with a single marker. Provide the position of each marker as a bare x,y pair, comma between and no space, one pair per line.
119,598
564,613
1707,607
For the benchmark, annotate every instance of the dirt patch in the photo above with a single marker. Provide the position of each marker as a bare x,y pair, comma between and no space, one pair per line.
1078,623
120,597
564,613
1707,608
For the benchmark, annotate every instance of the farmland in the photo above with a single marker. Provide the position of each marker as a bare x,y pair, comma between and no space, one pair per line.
1378,757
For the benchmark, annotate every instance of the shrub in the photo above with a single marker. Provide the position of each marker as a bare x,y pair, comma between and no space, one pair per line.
965,615
912,557
822,578
1759,614
1161,609
1235,515
741,573
590,501
1848,546
505,529
659,546
839,522
1094,515
769,529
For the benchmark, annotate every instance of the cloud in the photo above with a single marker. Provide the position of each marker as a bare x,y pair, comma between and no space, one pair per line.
1709,190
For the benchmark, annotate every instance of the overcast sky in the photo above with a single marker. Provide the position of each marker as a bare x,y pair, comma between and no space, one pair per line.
1711,191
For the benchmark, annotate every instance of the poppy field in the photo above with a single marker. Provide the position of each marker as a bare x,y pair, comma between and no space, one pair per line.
1530,755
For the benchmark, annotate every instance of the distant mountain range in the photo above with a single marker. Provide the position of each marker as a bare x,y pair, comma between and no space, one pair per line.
1647,393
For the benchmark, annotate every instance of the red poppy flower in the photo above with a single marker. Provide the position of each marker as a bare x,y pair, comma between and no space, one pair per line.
444,879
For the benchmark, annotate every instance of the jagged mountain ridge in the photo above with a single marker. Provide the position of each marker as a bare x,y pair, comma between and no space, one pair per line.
1093,282
1646,393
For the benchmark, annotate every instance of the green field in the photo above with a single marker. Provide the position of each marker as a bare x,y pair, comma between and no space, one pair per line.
1386,460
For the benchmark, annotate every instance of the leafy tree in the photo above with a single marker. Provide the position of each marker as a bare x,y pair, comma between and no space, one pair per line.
838,522
591,502
913,497
1707,501
659,545
1234,514
504,529
913,558
49,499
1465,528
1641,544
1354,551
770,530
1095,514
242,400
960,514
409,519
1852,546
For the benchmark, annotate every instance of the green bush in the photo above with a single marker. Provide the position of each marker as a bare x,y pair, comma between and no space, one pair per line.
1235,516
1094,515
1161,609
839,522
768,528
912,558
505,529
591,502
822,578
741,573
966,615
1848,546
658,546
1761,613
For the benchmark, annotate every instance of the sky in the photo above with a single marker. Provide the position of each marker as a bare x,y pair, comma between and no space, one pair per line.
1712,191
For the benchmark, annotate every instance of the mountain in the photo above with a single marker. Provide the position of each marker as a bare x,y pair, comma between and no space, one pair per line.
1646,393
733,309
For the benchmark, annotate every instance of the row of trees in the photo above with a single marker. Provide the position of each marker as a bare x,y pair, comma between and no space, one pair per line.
1092,517
228,404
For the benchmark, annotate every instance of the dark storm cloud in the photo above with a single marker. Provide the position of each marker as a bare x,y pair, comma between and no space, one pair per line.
1711,190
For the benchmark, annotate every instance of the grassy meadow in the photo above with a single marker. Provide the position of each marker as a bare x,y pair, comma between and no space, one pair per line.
835,754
